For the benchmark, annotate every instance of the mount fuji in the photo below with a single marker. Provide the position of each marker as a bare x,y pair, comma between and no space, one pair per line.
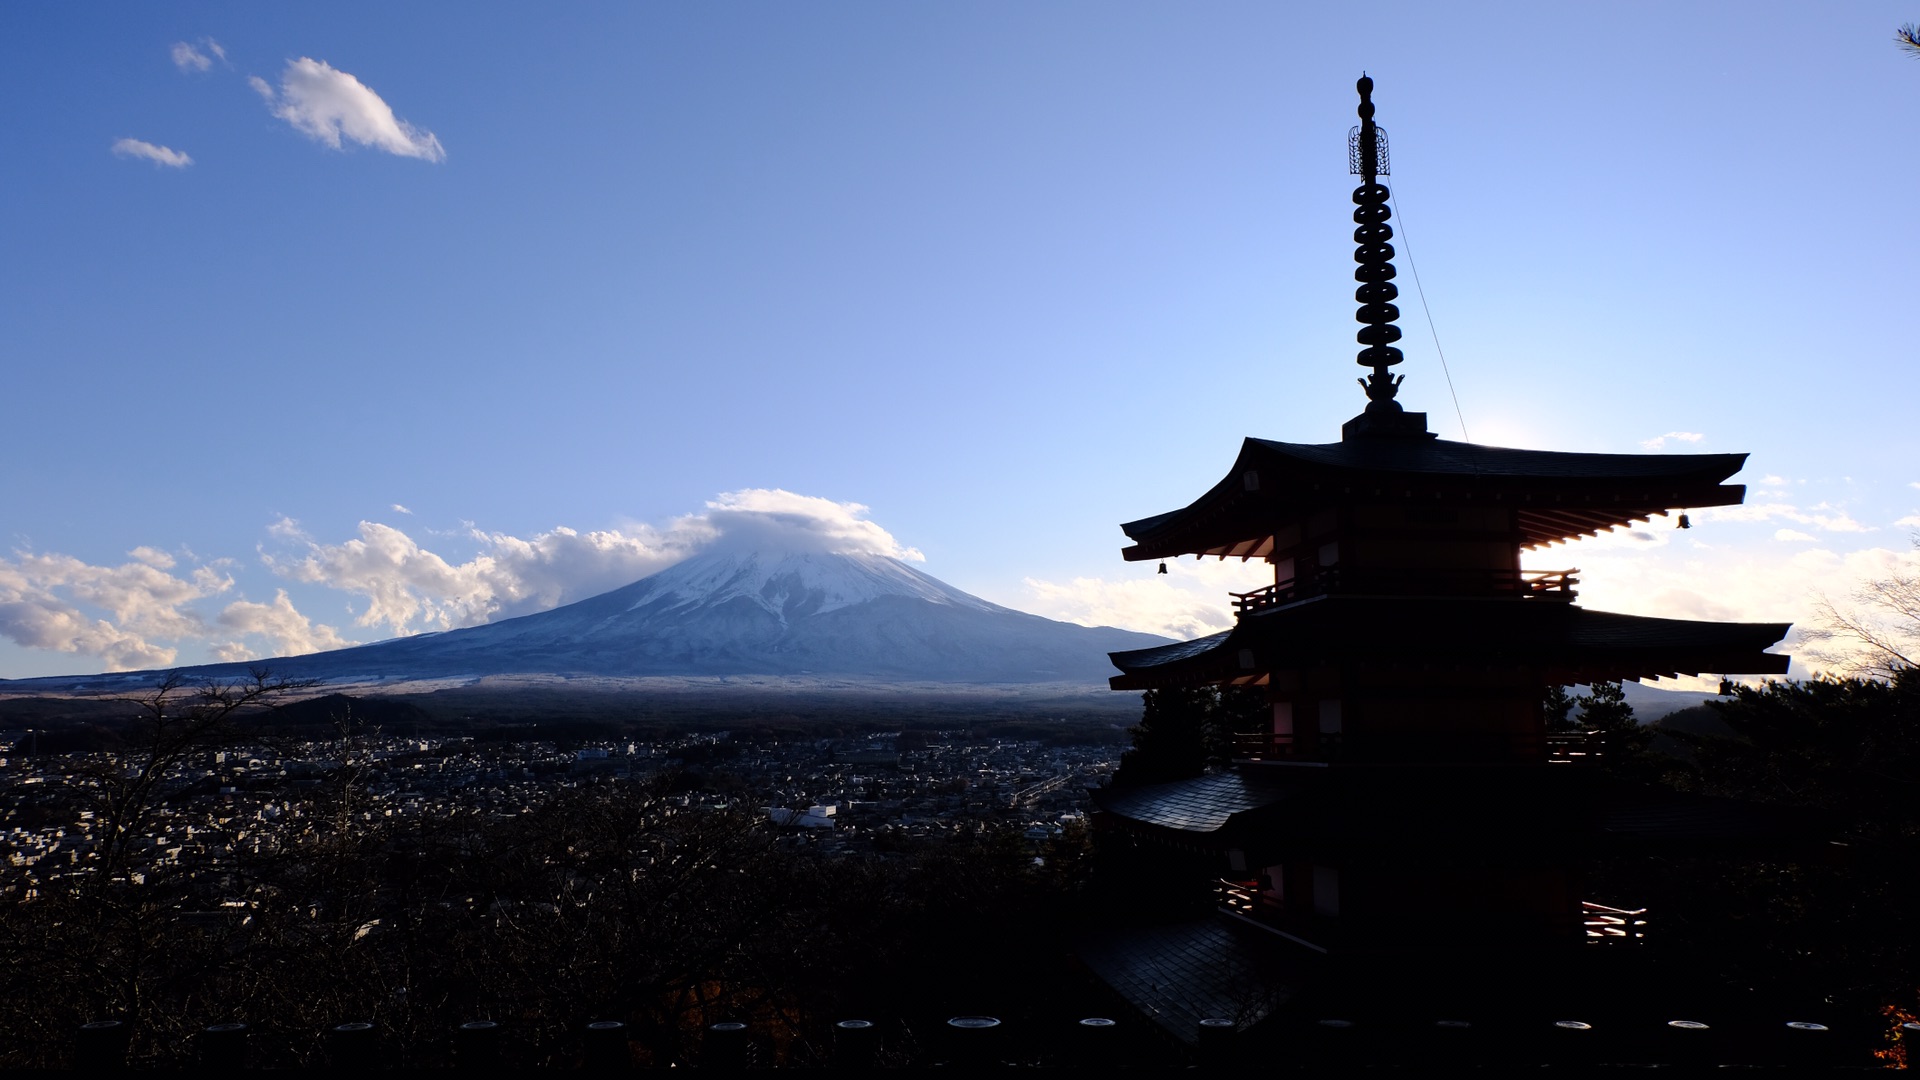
723,613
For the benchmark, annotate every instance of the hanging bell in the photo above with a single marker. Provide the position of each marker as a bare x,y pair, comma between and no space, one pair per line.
1163,566
1685,522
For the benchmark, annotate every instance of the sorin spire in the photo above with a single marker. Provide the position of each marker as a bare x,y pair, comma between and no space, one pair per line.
1367,156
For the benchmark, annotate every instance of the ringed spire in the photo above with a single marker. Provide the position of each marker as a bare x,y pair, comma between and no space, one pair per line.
1367,157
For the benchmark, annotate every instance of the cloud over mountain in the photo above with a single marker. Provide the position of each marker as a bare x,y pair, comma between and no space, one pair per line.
405,587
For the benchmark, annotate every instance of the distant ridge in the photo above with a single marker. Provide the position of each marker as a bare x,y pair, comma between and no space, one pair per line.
861,616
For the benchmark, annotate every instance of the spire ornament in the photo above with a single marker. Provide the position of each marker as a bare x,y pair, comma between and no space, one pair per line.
1367,157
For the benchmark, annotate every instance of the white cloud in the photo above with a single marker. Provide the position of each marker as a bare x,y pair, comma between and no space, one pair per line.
44,602
159,155
406,587
1825,516
153,557
291,633
1659,441
328,105
1911,521
187,57
398,509
781,519
1792,534
137,614
1190,600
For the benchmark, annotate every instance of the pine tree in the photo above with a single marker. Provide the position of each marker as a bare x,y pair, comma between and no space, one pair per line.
1557,706
1171,740
1604,708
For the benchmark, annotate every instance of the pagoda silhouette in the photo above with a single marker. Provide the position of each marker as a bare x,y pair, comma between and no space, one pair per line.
1405,844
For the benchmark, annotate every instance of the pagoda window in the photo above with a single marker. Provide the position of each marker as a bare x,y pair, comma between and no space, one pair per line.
1326,890
1328,720
1273,885
1283,571
1330,553
1283,718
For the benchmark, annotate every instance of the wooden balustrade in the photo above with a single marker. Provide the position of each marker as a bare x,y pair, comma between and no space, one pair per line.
1554,747
1550,585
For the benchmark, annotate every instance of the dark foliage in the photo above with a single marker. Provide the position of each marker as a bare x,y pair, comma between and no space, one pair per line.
608,899
1184,731
1557,707
1831,916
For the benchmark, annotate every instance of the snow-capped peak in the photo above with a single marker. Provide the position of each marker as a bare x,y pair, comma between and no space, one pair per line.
796,584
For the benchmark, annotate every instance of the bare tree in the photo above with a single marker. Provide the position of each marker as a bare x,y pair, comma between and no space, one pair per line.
1878,634
1907,37
175,722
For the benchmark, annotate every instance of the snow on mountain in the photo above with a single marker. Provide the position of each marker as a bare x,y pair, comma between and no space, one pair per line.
793,586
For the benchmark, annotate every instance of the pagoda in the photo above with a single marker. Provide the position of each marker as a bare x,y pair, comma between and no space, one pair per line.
1406,817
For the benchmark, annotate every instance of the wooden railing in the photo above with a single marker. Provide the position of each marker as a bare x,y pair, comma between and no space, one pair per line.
1553,585
1600,923
1611,924
1554,748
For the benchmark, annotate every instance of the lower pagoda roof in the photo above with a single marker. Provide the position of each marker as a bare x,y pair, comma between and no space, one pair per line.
1556,495
1566,643
1266,810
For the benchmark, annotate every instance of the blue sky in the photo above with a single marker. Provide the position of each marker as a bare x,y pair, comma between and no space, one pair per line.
972,283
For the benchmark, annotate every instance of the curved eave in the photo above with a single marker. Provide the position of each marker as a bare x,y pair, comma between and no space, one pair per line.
1559,496
1565,643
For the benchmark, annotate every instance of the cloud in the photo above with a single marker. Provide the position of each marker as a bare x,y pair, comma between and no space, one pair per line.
153,557
188,58
782,520
328,105
159,155
1659,441
137,614
291,633
44,602
404,587
398,509
1825,516
1190,600
1793,534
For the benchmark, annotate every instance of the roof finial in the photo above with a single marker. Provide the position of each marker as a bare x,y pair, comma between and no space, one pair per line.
1367,156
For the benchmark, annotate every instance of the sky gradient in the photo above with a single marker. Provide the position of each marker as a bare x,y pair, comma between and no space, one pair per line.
332,323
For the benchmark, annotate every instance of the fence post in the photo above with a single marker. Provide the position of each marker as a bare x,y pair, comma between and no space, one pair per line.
604,1046
974,1040
476,1045
1216,1042
223,1046
353,1045
101,1045
856,1044
725,1046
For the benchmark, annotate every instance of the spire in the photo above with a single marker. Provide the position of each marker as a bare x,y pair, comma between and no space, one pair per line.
1367,157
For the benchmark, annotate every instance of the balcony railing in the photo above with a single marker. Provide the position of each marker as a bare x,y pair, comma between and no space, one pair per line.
1610,924
1600,923
1552,585
1554,748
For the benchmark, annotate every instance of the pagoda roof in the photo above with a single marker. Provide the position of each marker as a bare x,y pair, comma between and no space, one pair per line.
1261,807
1559,495
1567,643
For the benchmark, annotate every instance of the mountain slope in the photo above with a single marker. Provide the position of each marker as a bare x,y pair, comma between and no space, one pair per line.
753,613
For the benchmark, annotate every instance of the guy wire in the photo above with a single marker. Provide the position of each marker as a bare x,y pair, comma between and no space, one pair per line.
1407,248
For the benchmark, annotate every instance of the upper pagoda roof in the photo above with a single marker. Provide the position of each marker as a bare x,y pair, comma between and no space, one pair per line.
1559,495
